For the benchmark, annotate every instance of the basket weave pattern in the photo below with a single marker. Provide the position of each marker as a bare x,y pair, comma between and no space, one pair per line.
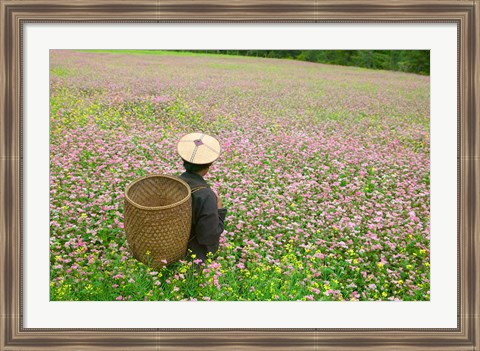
158,214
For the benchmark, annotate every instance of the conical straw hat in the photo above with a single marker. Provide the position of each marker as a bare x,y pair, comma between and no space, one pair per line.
198,148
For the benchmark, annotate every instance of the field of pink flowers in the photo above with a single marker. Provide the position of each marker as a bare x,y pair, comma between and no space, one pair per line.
325,171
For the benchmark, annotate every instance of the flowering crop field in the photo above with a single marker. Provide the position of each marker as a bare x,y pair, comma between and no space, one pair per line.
325,171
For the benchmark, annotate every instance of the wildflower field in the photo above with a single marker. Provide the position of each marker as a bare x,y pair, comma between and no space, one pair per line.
325,171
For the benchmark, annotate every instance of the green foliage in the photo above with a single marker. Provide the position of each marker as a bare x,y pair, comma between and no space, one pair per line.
414,61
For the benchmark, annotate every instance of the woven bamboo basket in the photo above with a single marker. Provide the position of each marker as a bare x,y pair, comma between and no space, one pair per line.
158,214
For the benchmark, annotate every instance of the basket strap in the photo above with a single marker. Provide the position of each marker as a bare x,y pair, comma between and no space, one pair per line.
194,189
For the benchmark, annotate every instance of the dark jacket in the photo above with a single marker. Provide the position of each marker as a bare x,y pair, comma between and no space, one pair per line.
207,219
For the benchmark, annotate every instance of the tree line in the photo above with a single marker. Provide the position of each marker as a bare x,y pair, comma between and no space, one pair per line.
414,61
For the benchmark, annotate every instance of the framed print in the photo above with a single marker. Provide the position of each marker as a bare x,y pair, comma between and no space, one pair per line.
94,91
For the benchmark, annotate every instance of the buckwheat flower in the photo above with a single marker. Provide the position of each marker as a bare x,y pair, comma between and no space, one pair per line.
215,281
354,295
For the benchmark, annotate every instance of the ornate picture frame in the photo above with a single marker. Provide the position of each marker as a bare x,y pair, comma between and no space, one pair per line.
15,14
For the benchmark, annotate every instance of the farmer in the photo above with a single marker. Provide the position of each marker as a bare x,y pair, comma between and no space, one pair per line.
198,152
